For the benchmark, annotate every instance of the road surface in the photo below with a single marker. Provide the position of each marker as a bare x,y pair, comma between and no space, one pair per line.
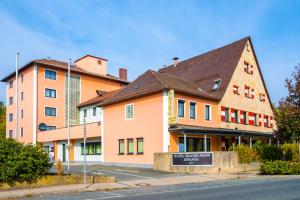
254,189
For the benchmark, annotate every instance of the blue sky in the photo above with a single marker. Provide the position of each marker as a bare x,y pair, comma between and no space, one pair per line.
147,34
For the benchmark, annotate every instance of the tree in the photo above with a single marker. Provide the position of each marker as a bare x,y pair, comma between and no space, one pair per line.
287,115
2,120
21,163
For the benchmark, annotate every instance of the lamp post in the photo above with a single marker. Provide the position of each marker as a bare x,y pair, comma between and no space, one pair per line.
69,75
17,96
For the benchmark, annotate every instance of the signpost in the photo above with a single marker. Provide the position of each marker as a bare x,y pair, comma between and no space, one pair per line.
192,159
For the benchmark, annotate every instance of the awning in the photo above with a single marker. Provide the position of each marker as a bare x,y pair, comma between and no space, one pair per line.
179,128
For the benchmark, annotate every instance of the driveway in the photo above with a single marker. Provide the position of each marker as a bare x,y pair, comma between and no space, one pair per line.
120,172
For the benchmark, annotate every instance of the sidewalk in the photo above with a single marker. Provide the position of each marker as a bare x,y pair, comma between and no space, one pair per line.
121,185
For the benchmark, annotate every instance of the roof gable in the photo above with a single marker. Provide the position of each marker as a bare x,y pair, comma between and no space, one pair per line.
208,67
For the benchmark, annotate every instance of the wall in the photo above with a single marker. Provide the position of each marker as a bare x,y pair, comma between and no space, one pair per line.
223,162
26,105
241,102
147,123
91,64
90,117
77,151
200,120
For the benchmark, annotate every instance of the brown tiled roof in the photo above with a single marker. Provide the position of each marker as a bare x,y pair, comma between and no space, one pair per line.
98,99
151,82
63,65
204,69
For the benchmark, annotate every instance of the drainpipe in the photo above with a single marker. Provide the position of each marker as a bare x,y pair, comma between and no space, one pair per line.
250,142
240,140
205,143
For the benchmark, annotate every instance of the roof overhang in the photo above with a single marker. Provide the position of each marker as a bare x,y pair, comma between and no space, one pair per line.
179,128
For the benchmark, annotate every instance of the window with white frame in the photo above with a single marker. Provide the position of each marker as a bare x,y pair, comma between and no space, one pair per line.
22,78
207,112
51,93
50,74
50,111
94,111
22,114
11,100
22,131
11,117
10,134
11,84
129,111
85,113
217,84
181,105
22,96
193,110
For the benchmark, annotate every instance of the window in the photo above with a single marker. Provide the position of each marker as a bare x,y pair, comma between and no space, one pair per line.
22,96
236,116
50,111
247,91
245,117
217,84
192,110
267,121
11,84
11,117
49,128
181,108
10,134
236,89
262,97
121,147
91,148
227,115
50,74
255,119
50,93
130,146
85,113
21,131
140,145
246,67
94,111
207,112
22,78
11,100
22,114
194,144
129,111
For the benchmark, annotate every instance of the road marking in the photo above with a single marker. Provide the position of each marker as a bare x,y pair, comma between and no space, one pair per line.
110,193
106,171
125,170
189,189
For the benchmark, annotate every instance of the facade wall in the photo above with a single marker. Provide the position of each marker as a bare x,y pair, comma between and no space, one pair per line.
147,124
240,102
200,103
92,64
26,105
90,118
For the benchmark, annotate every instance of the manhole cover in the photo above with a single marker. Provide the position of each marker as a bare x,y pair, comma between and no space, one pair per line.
142,184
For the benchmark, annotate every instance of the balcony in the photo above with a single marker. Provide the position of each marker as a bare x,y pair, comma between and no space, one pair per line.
76,132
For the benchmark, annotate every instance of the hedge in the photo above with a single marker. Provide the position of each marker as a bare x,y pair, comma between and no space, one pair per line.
21,163
279,167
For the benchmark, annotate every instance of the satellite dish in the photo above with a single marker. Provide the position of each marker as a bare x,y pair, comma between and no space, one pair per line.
42,127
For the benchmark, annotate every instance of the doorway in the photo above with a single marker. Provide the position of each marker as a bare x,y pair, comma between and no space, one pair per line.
64,152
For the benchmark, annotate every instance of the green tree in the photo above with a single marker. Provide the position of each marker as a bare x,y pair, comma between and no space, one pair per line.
21,163
2,120
287,114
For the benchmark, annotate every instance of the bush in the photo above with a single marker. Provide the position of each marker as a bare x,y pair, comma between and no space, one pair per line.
279,167
291,152
266,152
246,155
21,163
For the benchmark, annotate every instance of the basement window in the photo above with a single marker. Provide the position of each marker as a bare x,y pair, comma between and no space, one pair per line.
217,84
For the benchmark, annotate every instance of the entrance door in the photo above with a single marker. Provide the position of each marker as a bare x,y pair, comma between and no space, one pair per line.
64,152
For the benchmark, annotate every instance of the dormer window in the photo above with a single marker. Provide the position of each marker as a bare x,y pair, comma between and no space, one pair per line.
217,84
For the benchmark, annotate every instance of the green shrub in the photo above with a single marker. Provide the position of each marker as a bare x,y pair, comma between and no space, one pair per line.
291,152
268,152
279,167
21,163
246,155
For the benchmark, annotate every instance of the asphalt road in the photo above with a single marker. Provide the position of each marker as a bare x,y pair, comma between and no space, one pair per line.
120,172
254,189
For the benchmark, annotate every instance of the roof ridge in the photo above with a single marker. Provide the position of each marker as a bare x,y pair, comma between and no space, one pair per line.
157,78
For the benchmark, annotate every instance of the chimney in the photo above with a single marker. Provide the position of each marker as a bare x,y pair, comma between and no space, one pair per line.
175,61
123,74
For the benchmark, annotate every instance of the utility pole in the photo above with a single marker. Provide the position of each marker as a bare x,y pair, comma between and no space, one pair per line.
84,152
17,96
69,75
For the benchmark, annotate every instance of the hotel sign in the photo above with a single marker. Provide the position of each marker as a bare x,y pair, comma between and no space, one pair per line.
171,114
192,159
